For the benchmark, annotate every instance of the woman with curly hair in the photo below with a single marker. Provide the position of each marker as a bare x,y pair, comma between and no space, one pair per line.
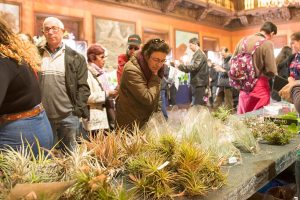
23,120
139,92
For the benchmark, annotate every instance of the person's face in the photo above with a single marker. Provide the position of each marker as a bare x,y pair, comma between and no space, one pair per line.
223,53
53,34
132,49
295,46
100,60
193,47
156,60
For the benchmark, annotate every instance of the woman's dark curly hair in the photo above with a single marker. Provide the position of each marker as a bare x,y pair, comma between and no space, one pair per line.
154,45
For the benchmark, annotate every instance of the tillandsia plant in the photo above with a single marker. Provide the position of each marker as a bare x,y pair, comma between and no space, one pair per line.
279,135
222,113
209,133
151,176
270,132
107,148
196,171
242,135
23,167
132,142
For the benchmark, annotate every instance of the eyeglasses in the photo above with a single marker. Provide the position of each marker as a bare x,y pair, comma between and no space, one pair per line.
102,56
158,61
157,40
54,29
133,47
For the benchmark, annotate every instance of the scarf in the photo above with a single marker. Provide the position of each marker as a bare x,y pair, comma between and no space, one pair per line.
145,68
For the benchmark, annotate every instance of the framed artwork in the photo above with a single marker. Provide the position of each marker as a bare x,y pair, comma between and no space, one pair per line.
10,12
113,35
149,33
182,50
210,44
73,25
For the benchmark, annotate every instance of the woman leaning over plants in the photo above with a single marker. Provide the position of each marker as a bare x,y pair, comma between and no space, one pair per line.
23,120
139,91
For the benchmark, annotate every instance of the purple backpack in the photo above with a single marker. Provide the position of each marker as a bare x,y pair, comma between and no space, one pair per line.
242,74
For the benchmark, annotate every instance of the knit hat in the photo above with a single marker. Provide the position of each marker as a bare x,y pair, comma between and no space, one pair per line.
134,40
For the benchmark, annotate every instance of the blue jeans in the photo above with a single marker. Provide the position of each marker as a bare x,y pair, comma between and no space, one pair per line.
65,131
27,131
164,103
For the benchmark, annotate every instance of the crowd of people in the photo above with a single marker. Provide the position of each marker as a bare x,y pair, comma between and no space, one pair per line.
50,94
72,95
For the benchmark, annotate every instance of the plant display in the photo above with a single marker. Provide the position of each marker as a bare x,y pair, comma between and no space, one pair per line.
170,167
209,134
242,136
166,159
270,132
222,113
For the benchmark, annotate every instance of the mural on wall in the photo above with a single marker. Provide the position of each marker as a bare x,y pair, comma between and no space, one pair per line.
113,34
182,50
11,14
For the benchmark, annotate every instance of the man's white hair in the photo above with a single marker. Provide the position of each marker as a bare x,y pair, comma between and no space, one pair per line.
54,20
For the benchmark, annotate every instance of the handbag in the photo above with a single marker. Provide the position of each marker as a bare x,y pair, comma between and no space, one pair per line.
111,112
110,108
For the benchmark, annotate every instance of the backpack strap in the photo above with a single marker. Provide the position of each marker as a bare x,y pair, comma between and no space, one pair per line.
244,45
258,44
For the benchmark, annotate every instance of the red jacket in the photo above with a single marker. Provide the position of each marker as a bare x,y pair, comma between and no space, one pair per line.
122,60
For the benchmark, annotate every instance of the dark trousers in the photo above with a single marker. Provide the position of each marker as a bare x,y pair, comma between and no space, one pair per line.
198,93
224,95
297,170
173,92
163,95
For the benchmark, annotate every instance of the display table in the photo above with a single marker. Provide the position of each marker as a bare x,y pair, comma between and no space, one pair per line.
256,171
183,95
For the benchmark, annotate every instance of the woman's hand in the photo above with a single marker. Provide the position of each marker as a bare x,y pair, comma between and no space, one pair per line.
286,91
113,93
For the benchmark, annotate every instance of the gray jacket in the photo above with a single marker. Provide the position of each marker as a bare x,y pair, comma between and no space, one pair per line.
198,69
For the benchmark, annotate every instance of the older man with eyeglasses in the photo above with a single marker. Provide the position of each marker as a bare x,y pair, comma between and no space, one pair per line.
63,83
133,44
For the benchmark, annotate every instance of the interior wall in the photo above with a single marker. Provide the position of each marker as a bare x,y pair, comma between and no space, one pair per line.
86,9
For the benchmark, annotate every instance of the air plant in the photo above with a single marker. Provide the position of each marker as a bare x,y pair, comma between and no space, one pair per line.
165,145
270,132
23,167
222,113
210,134
151,177
132,143
196,172
107,149
242,135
